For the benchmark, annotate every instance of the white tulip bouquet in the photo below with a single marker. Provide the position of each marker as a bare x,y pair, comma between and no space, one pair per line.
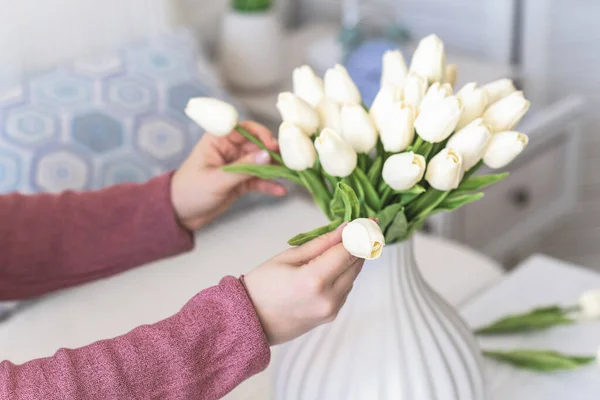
412,154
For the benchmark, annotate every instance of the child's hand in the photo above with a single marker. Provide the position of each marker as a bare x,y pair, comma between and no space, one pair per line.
303,287
201,191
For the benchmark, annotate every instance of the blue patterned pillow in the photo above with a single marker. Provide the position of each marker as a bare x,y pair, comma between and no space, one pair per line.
99,122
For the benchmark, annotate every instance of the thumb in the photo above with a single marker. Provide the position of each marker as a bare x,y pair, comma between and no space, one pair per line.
260,158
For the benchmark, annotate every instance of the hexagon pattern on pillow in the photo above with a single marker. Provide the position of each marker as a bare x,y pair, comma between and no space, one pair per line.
103,121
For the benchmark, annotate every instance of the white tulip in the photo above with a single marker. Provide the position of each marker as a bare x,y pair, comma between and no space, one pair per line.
429,59
337,157
589,304
358,128
339,86
297,150
383,103
415,88
398,127
445,171
471,142
504,147
474,102
297,111
403,171
499,89
214,116
505,114
330,115
435,94
435,124
363,239
308,86
394,69
451,72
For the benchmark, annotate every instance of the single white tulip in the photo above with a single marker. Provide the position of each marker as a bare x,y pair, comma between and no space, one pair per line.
589,304
474,102
308,86
297,149
504,147
330,115
451,73
297,111
445,170
383,103
499,89
415,88
435,94
403,171
398,127
337,157
435,124
429,59
214,116
339,86
358,128
471,142
506,113
394,69
363,239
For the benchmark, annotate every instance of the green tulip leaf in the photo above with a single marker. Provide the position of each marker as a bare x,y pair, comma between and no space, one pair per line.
374,173
540,360
315,233
537,319
350,200
479,182
417,189
424,149
371,196
456,200
264,171
317,188
425,204
398,229
387,215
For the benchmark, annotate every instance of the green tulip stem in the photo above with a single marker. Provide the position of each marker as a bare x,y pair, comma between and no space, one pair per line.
244,132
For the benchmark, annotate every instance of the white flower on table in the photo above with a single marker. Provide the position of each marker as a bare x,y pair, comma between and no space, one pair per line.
403,171
298,112
337,157
445,170
471,142
297,149
214,116
307,85
363,239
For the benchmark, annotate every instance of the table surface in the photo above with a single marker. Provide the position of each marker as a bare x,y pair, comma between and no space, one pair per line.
113,306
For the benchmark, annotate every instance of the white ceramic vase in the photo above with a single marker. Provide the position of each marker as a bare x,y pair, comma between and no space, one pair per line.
250,49
394,339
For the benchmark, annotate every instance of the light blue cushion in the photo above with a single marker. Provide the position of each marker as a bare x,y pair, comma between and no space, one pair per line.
98,122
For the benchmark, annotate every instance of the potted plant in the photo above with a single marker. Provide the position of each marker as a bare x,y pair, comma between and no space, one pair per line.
250,45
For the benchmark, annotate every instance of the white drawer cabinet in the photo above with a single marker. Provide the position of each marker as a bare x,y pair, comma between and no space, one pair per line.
541,189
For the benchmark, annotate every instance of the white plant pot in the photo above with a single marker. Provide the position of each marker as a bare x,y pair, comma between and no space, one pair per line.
250,49
394,339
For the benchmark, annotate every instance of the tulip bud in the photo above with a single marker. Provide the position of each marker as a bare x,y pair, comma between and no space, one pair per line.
358,128
499,89
339,86
445,171
393,69
589,304
363,239
474,102
308,86
503,148
471,142
429,59
415,88
398,127
504,114
337,157
330,115
297,150
451,72
214,116
297,111
435,124
435,94
383,103
403,171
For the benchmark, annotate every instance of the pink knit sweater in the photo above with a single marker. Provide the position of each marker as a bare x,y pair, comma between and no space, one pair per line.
49,242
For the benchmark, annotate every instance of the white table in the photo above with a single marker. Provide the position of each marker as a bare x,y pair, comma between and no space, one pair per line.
233,245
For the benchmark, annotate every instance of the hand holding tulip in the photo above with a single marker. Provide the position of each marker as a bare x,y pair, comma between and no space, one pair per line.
201,190
312,284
